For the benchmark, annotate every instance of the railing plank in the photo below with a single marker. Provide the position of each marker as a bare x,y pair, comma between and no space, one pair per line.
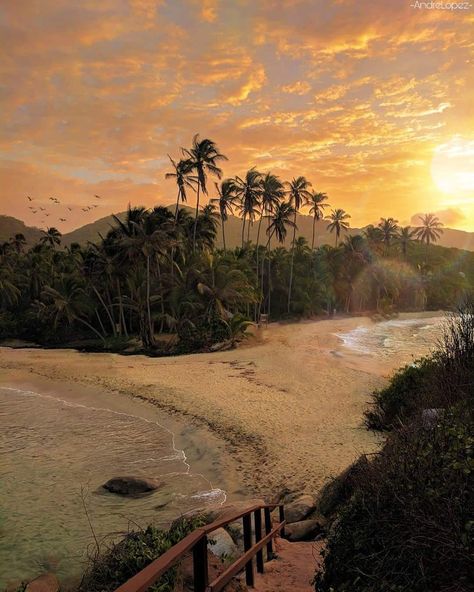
218,584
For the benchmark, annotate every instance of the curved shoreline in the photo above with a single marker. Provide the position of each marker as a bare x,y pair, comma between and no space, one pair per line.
288,408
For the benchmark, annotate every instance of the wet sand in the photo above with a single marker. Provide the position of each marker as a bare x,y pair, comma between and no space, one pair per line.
288,406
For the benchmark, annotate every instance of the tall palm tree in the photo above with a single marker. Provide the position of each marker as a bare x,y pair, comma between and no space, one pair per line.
51,237
184,180
404,238
338,222
248,191
225,202
430,229
389,229
204,157
317,202
299,195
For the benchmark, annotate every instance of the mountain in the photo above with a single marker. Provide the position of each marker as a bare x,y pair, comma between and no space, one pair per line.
10,226
233,229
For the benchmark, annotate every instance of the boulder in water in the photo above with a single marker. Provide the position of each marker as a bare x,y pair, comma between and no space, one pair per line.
222,545
299,508
305,530
131,485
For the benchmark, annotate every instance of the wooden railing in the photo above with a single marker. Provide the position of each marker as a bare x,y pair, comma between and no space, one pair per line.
197,542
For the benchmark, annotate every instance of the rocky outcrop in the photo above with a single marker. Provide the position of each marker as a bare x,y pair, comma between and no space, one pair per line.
298,509
222,545
130,485
44,583
305,530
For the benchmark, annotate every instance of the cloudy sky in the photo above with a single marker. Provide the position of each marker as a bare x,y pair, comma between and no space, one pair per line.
372,100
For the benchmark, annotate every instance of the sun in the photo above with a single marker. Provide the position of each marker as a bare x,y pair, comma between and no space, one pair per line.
452,170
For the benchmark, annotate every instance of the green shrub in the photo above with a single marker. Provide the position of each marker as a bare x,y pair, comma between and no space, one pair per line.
118,563
408,389
409,526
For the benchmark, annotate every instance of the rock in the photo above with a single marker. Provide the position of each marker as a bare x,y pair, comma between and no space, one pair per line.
341,488
222,545
305,530
430,417
45,583
131,485
299,508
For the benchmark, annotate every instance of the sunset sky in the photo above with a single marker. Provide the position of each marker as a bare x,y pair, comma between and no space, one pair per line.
372,100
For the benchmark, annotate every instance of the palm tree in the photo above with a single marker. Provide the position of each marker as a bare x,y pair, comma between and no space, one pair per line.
68,301
203,157
226,201
316,200
248,191
18,242
430,229
51,236
338,222
282,218
405,237
184,180
299,194
389,229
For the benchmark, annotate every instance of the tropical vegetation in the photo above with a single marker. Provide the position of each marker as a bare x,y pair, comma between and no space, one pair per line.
158,282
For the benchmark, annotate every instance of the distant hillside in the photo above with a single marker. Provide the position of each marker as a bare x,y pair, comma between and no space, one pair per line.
10,226
91,232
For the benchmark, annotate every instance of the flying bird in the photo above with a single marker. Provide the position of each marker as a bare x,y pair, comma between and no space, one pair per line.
97,196
28,198
52,198
63,219
47,214
70,209
42,209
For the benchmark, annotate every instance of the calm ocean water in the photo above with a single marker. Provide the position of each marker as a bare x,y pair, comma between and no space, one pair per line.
54,457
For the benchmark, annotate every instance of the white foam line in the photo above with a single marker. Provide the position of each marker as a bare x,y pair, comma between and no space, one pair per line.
181,453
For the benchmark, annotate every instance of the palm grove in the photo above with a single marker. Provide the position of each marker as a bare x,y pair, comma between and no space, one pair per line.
157,281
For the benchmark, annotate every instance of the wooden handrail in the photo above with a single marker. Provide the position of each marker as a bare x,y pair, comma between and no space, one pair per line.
196,542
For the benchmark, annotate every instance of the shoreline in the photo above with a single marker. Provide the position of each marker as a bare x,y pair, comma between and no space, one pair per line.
285,411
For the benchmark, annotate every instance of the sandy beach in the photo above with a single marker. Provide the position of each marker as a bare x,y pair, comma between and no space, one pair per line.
287,406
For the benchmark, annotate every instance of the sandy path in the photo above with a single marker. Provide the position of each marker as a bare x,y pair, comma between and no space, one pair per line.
289,407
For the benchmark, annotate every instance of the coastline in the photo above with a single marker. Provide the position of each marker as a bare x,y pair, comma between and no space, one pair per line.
282,411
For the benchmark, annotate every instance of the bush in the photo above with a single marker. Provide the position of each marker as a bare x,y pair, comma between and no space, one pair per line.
121,561
409,525
441,381
408,391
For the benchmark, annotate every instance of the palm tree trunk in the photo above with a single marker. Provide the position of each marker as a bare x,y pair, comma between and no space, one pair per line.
161,297
196,215
112,323
290,286
312,240
243,230
148,304
91,328
100,322
121,312
223,233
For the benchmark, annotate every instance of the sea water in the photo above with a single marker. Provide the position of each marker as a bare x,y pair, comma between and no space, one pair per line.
54,457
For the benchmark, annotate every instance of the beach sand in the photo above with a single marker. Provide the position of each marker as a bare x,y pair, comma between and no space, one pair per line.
288,405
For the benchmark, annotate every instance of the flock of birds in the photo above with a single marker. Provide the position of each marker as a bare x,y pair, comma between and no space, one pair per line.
44,212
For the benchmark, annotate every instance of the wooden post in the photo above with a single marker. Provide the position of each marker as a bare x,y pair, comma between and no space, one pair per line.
282,517
268,527
201,576
258,536
247,522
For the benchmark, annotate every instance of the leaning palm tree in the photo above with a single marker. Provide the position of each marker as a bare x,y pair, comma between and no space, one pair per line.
430,229
317,202
404,238
299,194
389,230
225,202
184,180
204,157
51,237
248,191
338,222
